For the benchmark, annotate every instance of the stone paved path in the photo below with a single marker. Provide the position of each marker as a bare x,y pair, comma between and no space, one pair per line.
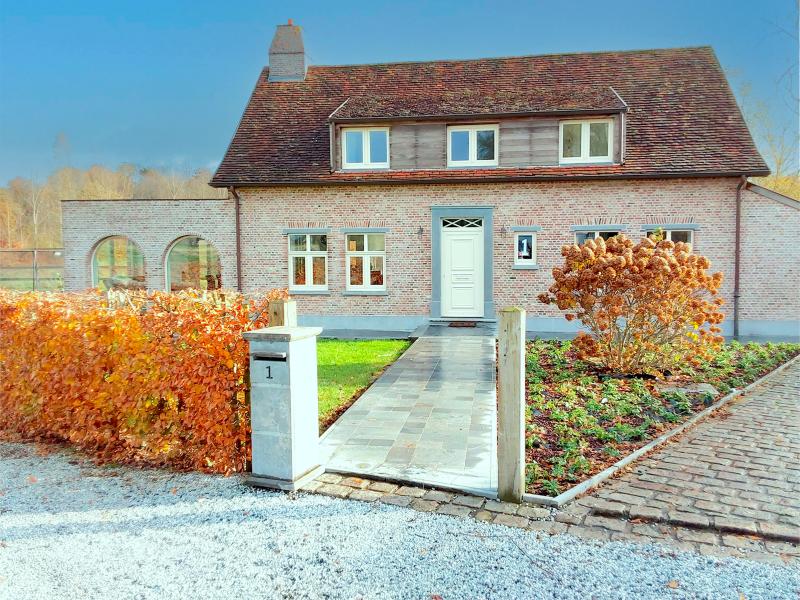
429,419
738,471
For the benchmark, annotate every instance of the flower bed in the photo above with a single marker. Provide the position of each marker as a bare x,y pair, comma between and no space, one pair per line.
581,420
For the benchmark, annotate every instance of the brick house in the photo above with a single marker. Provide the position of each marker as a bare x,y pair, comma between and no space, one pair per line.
387,195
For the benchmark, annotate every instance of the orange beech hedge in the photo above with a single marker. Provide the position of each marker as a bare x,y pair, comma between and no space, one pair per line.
153,378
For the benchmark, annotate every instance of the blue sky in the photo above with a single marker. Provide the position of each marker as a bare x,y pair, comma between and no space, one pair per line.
163,83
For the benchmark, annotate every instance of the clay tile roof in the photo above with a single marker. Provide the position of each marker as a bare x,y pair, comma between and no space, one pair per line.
423,103
681,119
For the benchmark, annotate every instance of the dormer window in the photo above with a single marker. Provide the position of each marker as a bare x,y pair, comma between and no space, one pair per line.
472,146
365,148
586,141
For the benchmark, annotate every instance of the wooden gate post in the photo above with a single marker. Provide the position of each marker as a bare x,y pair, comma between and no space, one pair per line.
283,313
511,405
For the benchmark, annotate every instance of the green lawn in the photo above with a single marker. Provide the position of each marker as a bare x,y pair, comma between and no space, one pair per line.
347,368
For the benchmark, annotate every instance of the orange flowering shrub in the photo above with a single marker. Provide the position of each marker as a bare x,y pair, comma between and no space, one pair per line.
152,377
647,306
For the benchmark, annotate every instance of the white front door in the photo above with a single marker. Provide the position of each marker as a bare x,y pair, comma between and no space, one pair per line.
462,268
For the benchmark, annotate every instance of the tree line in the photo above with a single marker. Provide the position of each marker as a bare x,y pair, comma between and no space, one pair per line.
30,211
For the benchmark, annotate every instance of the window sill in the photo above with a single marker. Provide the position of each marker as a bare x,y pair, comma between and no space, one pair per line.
365,293
587,163
365,168
473,166
526,267
302,292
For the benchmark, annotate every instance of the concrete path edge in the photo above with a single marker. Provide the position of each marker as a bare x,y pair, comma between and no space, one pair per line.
591,483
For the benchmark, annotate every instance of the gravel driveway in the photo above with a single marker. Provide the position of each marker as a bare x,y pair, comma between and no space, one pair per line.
69,529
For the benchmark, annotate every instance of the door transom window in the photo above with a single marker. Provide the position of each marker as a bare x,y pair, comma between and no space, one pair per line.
461,223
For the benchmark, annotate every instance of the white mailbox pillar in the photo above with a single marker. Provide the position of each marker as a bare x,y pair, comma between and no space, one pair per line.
283,406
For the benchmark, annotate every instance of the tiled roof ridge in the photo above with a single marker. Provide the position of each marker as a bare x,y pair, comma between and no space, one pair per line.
514,57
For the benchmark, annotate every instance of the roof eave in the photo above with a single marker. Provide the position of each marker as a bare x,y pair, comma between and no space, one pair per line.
480,116
483,179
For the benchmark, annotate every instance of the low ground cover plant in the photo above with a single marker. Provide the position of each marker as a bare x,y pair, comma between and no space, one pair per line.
580,420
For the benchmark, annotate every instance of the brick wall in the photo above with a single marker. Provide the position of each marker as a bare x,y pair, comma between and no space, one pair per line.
769,267
554,206
770,260
153,225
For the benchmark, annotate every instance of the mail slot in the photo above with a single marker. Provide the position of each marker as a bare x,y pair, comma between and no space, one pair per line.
270,356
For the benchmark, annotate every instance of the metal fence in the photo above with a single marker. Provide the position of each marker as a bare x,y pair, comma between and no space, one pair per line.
32,268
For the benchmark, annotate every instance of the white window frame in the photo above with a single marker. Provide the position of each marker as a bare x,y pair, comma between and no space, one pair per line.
309,262
473,130
596,233
525,262
366,253
365,145
584,158
668,233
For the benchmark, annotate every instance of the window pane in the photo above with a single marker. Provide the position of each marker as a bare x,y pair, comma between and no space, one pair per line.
356,270
354,147
459,145
525,247
485,145
607,235
299,270
376,242
376,270
355,243
194,263
582,236
377,147
681,236
117,263
598,139
318,270
297,243
319,243
572,140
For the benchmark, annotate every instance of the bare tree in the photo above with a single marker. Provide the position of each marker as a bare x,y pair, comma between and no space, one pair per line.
777,143
31,197
10,216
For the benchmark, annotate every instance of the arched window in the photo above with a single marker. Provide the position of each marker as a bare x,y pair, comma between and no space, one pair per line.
117,263
193,263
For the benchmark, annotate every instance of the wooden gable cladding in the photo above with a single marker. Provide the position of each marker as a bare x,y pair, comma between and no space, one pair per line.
528,142
523,142
418,146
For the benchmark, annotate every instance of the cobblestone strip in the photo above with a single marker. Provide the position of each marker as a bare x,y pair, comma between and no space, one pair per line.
580,519
735,474
722,524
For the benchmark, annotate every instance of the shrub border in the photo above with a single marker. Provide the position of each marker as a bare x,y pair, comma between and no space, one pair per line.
591,483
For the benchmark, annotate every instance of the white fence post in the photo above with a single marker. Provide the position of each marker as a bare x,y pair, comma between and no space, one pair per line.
511,405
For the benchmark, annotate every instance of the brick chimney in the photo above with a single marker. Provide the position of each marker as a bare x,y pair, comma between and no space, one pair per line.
287,56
